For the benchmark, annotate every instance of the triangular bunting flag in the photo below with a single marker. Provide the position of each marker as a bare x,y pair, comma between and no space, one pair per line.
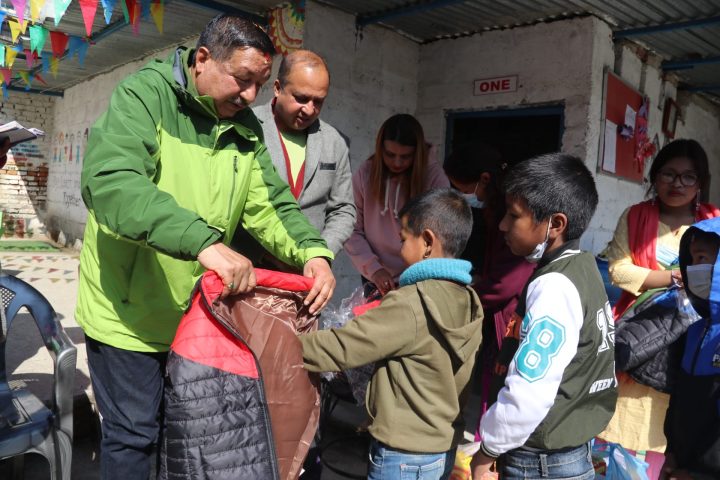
60,7
2,55
145,8
30,58
10,54
52,270
88,8
59,41
54,63
45,63
123,6
38,37
36,7
16,29
55,280
134,9
34,280
48,10
7,75
156,10
2,17
27,78
40,79
19,6
108,7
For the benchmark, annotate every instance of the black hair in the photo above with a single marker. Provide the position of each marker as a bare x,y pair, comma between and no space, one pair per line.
555,183
299,57
227,32
682,148
444,212
468,161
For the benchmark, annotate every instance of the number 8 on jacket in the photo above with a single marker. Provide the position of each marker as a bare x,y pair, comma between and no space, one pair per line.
541,344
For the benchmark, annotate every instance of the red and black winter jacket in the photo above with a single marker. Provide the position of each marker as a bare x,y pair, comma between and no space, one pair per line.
238,402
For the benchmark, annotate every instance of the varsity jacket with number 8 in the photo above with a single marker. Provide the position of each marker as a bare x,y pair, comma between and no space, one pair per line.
560,387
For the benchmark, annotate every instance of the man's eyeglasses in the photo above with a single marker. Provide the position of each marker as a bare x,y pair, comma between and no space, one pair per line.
687,179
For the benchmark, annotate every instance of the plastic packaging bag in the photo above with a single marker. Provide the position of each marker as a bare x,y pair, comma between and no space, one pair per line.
336,317
619,463
463,457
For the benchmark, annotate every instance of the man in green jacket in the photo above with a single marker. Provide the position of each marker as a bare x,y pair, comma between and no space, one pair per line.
172,167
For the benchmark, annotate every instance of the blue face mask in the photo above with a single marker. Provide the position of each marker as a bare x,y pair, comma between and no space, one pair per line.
700,279
472,200
540,248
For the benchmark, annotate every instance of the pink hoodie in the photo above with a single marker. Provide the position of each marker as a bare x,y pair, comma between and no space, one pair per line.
375,241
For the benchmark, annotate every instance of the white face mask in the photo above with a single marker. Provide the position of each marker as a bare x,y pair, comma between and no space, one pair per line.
539,251
700,279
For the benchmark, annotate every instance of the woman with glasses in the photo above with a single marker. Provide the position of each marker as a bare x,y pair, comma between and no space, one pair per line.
643,255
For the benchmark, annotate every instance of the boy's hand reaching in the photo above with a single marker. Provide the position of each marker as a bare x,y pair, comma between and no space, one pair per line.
383,281
481,465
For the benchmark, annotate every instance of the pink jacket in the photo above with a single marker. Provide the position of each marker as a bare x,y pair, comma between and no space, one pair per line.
375,241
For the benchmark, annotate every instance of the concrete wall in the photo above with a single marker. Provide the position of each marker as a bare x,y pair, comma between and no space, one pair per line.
562,63
23,180
74,114
700,119
373,75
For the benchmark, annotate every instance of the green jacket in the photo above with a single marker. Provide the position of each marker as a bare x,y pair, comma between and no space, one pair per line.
424,338
163,178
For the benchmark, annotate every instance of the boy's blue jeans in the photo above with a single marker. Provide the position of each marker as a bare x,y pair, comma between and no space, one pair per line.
388,464
567,464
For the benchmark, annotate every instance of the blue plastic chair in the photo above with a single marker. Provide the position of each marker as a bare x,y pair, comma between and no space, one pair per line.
26,424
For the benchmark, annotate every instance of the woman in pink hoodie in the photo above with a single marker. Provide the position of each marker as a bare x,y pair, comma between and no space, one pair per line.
398,171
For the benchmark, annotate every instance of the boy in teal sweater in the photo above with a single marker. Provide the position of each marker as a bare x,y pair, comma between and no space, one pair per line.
423,338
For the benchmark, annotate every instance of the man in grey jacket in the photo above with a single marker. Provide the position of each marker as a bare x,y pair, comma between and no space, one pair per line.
309,154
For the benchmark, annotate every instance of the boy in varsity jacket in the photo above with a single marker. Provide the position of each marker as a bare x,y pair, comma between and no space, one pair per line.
560,387
692,422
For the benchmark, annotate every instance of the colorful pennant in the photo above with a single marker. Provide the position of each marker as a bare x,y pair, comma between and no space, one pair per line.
88,8
2,55
59,41
60,8
36,7
38,37
46,63
6,75
108,7
78,45
54,63
16,29
10,54
157,9
19,6
30,57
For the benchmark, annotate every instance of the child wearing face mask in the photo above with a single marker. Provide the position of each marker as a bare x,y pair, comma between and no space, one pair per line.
692,422
558,388
477,170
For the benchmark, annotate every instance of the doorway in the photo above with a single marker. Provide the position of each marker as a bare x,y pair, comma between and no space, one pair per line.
518,134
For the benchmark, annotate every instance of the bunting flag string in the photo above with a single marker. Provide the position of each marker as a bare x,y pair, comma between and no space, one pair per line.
62,44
